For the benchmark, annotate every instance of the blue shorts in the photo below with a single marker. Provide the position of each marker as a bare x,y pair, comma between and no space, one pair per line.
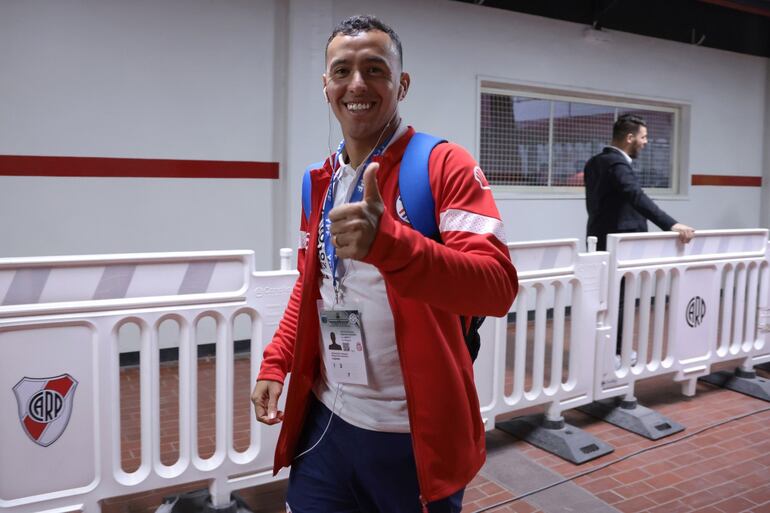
354,470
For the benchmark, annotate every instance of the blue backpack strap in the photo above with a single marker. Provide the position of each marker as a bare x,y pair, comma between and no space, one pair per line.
307,189
414,184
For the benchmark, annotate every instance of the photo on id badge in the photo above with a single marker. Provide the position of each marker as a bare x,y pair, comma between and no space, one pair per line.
343,346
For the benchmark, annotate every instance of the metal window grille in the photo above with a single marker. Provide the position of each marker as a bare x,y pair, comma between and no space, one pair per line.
544,142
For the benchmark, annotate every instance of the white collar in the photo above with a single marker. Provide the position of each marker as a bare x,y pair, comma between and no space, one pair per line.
625,155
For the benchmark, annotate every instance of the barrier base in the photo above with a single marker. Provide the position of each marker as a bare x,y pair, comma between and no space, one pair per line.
631,416
200,501
747,383
764,366
566,441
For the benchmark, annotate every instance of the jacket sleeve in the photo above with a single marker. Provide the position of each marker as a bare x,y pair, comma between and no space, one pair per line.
628,184
279,353
470,272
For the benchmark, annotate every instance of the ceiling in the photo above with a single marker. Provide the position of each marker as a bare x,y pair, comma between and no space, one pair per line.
741,26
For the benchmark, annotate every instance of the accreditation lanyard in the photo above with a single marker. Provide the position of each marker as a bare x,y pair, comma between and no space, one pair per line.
357,195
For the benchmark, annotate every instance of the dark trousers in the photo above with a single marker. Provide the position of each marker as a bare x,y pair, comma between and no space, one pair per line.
601,245
354,470
621,302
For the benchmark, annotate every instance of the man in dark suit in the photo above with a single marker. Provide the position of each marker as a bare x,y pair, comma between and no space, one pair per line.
615,200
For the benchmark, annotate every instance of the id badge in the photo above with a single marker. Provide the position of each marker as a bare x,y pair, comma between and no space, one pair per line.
343,345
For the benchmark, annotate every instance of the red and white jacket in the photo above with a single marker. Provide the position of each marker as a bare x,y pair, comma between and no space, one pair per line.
428,285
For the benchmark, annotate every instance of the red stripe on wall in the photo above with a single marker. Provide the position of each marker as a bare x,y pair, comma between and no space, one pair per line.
727,180
20,165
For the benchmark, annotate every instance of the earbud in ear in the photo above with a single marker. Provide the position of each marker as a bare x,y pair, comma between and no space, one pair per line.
326,95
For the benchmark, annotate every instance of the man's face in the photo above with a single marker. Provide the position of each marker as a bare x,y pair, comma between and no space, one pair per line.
637,142
362,81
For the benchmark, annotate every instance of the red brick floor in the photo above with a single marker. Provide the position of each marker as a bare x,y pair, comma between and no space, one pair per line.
169,410
722,470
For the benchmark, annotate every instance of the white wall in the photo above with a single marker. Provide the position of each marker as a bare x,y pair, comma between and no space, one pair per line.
448,45
178,79
240,80
765,217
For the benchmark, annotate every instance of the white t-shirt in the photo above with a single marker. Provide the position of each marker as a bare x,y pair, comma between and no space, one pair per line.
380,406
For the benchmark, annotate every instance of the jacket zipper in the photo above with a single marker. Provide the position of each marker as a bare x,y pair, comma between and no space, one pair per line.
407,388
409,407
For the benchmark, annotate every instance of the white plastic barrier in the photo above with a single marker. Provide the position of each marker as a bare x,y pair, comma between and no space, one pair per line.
699,304
60,320
552,276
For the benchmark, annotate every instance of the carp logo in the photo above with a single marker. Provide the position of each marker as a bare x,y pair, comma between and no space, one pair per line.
696,311
401,211
45,405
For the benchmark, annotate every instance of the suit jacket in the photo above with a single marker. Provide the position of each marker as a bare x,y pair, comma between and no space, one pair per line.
615,200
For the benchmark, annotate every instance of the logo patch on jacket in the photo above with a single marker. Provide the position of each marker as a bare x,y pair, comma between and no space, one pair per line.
401,211
45,405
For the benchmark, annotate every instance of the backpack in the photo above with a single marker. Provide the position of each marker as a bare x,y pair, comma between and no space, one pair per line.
417,198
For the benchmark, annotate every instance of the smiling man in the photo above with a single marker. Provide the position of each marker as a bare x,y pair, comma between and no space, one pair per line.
390,422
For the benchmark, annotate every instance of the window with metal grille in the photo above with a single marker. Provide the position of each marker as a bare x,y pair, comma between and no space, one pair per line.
542,141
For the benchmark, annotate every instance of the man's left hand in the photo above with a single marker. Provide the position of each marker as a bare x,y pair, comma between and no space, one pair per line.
354,225
685,232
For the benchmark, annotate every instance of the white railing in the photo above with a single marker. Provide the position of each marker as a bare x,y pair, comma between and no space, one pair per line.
557,281
700,304
721,278
64,317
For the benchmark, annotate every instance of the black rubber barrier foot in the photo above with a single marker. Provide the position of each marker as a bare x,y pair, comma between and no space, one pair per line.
764,366
199,501
568,442
631,416
741,381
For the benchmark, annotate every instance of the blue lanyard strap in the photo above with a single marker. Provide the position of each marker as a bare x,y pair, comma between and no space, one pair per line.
357,195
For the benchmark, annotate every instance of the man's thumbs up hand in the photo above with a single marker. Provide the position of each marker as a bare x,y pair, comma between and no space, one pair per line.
354,225
371,190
